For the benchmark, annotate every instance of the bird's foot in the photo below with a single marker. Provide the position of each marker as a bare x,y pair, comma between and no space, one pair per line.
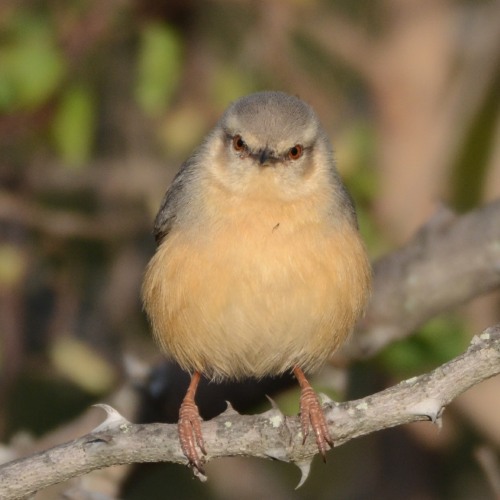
189,427
190,435
312,415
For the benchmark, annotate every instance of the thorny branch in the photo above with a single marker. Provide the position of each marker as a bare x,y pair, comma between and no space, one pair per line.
268,435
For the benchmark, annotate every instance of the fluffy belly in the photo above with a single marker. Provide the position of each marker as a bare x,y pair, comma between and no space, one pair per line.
240,305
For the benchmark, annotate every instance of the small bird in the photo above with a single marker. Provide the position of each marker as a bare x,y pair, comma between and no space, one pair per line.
260,269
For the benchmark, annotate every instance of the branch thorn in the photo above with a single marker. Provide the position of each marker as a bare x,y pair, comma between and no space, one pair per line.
113,420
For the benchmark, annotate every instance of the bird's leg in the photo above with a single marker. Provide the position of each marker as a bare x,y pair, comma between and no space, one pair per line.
189,426
311,414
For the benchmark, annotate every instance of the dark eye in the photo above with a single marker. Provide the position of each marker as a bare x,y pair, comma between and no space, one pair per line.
296,152
238,143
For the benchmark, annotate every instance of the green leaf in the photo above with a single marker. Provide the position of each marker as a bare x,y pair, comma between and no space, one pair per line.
159,67
31,65
73,126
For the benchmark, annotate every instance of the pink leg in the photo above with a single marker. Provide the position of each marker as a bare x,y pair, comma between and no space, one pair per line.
190,426
311,414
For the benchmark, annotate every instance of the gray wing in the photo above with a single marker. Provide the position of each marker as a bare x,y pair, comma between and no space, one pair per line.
173,201
348,203
344,197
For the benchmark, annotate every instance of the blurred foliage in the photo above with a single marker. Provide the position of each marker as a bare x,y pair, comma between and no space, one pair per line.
82,366
438,341
471,168
34,404
12,266
32,66
159,64
354,152
230,82
173,134
74,126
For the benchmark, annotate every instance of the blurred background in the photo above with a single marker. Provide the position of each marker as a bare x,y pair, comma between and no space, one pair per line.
100,102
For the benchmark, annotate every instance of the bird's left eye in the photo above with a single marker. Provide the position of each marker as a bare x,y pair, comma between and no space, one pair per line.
296,152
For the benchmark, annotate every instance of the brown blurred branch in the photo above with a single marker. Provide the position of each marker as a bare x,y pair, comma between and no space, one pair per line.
268,435
68,224
449,261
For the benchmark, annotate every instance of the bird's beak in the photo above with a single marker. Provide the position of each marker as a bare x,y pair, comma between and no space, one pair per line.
264,156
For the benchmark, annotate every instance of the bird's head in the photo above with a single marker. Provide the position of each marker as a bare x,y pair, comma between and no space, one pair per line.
269,141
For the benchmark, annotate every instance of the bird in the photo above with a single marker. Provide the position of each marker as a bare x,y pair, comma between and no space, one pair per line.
260,269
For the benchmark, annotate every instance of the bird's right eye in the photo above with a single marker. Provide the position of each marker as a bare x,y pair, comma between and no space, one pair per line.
238,144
